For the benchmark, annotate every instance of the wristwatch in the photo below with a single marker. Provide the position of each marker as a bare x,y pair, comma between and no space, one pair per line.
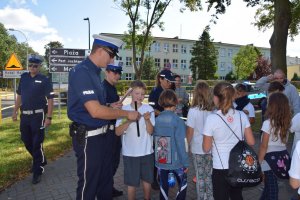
50,118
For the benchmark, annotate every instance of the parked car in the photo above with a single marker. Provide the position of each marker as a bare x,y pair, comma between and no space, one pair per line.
254,94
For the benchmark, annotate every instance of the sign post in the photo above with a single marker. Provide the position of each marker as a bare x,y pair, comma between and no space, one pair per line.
61,61
13,69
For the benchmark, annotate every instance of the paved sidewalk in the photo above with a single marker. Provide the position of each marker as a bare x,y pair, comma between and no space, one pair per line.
59,182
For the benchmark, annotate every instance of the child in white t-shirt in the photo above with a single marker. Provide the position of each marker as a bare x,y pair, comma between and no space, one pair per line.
137,146
224,140
274,139
295,128
242,102
202,106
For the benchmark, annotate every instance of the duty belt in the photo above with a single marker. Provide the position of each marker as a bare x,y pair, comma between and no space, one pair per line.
31,112
101,130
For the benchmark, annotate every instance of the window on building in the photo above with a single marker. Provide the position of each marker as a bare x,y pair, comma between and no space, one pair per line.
183,64
222,52
222,66
229,67
175,63
157,62
166,62
229,53
128,61
138,61
157,47
183,49
119,58
175,48
128,76
166,47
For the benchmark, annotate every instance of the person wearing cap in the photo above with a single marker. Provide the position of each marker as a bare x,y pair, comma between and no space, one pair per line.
112,76
35,101
164,80
91,131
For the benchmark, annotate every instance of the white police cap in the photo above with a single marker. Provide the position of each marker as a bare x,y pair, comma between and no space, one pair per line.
112,43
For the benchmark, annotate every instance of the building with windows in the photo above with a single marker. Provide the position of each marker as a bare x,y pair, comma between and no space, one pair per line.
176,54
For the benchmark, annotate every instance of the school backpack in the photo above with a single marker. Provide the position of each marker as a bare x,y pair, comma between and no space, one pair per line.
244,169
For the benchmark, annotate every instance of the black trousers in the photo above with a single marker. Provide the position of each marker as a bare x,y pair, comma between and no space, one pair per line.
221,189
94,167
33,134
116,153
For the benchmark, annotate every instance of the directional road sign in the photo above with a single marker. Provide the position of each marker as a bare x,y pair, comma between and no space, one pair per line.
62,60
67,52
60,68
65,60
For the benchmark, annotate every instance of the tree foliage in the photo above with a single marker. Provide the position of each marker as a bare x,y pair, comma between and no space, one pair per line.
150,71
9,45
204,57
143,15
245,61
263,68
281,15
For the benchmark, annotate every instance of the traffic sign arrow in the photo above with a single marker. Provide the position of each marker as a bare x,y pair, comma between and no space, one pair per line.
60,68
53,69
65,60
53,52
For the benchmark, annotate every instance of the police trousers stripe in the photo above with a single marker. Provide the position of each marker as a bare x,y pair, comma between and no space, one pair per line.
181,189
84,172
41,145
163,193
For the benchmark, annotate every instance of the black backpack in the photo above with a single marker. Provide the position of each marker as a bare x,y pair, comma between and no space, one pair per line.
244,169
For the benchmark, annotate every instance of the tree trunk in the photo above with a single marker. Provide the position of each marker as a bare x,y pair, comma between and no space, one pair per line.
278,40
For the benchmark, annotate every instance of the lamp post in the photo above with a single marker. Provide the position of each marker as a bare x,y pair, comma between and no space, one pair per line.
12,29
88,19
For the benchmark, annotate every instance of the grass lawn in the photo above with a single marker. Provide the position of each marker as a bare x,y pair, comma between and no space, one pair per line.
15,162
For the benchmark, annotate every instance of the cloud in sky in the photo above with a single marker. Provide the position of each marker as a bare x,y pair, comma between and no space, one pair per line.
36,28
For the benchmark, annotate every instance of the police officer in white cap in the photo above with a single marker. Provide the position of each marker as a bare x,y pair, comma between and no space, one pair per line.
92,134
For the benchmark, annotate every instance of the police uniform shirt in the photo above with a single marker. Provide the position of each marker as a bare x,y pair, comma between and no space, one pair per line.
84,86
154,96
34,90
111,94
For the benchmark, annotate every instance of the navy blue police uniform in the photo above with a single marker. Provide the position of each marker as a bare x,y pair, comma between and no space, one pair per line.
92,138
34,92
111,97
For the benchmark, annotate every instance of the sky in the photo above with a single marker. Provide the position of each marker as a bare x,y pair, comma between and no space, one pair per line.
42,21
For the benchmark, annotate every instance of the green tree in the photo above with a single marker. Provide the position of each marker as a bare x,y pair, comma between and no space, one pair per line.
47,47
230,76
138,36
245,61
281,15
204,57
150,71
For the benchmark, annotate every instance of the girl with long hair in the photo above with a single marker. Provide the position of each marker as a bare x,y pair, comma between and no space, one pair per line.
219,138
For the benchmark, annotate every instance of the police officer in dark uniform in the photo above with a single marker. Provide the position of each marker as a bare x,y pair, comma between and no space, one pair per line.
91,131
35,98
112,75
164,80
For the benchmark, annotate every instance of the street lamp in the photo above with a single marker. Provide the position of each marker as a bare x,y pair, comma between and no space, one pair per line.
88,19
12,29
